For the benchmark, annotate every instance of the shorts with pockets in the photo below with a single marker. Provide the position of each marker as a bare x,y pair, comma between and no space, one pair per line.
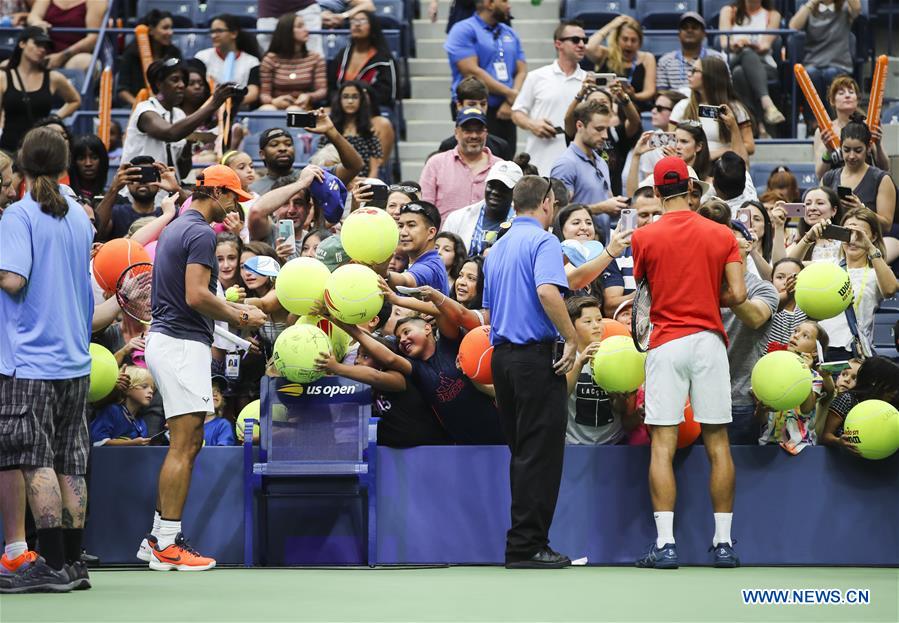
182,371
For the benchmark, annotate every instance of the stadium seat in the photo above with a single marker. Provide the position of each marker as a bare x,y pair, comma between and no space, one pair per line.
663,14
646,119
244,10
7,44
333,44
185,14
711,10
596,13
661,44
890,303
884,339
191,44
889,113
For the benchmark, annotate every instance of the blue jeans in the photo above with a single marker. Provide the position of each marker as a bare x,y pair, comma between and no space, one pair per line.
745,429
821,78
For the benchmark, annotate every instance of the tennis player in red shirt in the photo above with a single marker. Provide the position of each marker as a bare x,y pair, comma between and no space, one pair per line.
692,266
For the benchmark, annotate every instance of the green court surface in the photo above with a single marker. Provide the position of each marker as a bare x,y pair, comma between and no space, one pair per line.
457,594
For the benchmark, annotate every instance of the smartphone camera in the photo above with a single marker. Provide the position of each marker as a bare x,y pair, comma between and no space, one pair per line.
709,112
300,120
148,174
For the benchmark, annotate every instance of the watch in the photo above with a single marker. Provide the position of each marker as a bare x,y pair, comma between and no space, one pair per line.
875,255
244,318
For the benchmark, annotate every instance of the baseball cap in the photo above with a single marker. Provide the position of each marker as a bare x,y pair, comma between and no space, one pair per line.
263,265
330,195
330,253
467,114
426,209
670,170
692,15
704,186
38,35
506,172
271,134
220,381
624,305
220,176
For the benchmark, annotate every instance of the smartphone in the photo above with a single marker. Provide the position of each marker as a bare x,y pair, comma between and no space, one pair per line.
148,174
834,367
285,230
604,80
158,438
794,210
844,191
406,291
661,139
300,120
379,194
744,215
628,219
835,232
559,130
709,112
558,350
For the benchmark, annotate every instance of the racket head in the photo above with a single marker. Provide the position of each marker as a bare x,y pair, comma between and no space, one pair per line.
641,326
134,289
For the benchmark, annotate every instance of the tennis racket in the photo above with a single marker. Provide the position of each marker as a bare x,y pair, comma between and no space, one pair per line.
641,325
133,290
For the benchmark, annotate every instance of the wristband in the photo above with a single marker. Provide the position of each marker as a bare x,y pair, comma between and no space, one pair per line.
609,253
243,319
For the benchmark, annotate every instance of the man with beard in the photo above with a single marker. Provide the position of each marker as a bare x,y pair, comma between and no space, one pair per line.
675,67
157,127
547,92
456,178
479,223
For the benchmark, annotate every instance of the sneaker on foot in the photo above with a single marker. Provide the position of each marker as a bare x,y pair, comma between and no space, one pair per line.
725,556
664,557
78,574
17,564
179,556
145,551
39,577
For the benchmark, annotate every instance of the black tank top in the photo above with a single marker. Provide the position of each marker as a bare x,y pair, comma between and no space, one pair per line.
21,109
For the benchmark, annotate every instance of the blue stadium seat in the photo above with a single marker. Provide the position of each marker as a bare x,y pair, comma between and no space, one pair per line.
184,12
391,12
661,44
884,340
646,119
191,44
888,112
333,44
244,10
711,9
890,303
804,172
7,44
596,13
663,14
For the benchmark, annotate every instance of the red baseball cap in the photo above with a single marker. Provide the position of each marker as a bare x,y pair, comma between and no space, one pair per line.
220,176
670,170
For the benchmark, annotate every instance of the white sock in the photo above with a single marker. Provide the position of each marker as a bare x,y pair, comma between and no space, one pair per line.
167,532
15,549
156,519
664,527
722,528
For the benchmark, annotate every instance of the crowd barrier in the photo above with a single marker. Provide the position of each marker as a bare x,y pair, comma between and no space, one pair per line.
451,505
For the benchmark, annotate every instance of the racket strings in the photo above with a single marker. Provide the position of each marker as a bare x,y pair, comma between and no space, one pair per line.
135,292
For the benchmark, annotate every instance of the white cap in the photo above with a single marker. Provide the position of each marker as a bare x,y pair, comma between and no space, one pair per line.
506,172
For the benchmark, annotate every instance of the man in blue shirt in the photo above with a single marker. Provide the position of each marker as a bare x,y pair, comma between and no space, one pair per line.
585,172
419,223
46,306
523,283
488,49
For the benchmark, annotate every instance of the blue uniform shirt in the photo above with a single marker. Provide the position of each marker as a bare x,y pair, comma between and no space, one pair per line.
218,432
115,422
429,270
45,328
498,48
526,257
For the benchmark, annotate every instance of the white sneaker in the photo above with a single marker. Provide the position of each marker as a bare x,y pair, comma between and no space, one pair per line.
145,549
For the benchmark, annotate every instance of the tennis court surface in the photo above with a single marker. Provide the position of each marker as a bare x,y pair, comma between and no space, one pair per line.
458,594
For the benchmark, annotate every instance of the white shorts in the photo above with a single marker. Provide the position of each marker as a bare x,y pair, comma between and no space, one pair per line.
182,371
694,365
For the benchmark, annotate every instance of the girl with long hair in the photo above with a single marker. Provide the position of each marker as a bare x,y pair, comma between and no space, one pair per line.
452,251
622,56
351,114
89,167
691,146
468,288
822,206
291,77
130,71
227,36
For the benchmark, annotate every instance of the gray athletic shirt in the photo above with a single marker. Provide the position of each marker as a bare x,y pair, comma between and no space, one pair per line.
591,420
187,240
746,346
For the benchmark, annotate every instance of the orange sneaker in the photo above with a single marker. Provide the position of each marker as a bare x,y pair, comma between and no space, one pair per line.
179,557
18,564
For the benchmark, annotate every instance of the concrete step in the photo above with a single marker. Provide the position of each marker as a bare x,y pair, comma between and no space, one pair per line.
428,130
521,9
440,66
526,29
431,86
430,108
411,170
537,47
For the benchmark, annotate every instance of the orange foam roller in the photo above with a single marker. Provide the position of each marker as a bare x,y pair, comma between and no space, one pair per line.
105,106
878,84
818,110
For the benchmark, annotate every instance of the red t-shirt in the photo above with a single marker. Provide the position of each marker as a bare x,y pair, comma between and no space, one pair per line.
682,256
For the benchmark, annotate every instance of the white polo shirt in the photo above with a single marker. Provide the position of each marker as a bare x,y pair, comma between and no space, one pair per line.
215,66
138,143
547,93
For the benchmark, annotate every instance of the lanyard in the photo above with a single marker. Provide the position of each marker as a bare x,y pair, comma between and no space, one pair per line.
496,31
857,299
683,62
479,238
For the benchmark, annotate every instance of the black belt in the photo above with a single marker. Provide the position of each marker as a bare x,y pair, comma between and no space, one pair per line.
535,345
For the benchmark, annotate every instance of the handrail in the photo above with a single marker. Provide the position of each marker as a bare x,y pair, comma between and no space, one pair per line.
88,75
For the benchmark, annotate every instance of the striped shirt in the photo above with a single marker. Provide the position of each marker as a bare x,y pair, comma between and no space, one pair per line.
294,76
620,273
673,68
783,324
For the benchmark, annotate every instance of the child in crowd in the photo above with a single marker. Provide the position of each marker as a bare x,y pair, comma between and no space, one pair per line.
452,252
788,315
834,413
217,430
794,429
121,424
594,417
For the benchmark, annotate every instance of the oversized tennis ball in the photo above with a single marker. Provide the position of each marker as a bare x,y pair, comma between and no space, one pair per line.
249,412
873,426
781,380
340,339
231,294
476,354
688,430
618,366
352,294
104,373
300,284
369,235
823,290
113,258
611,328
296,350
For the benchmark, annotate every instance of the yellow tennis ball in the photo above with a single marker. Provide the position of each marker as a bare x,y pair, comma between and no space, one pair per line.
618,366
296,350
781,380
369,235
873,426
823,290
340,339
231,294
353,294
104,373
249,412
300,283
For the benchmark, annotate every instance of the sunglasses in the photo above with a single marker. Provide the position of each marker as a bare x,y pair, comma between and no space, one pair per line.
400,188
694,70
658,108
575,40
549,188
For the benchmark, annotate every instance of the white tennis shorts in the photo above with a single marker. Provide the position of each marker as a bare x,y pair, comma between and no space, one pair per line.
696,366
182,370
